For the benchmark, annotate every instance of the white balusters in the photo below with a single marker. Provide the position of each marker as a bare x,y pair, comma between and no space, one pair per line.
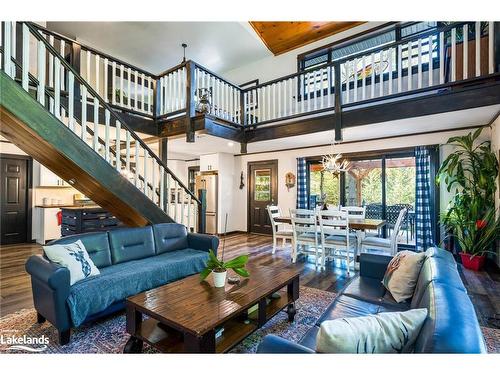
129,88
40,72
477,32
410,67
162,188
71,100
121,84
7,48
95,143
355,71
453,60
145,174
391,56
83,91
106,135
441,57
419,64
113,83
118,146
57,88
106,79
465,54
491,52
400,68
26,57
127,151
136,158
381,74
372,86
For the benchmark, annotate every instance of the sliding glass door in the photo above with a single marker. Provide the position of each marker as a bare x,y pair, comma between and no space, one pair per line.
383,183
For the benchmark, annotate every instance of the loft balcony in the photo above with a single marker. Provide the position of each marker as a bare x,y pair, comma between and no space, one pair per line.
442,70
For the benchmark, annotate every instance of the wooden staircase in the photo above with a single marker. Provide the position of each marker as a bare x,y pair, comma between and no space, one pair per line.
49,120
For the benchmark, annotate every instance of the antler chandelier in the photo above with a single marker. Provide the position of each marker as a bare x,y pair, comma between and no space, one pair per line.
334,163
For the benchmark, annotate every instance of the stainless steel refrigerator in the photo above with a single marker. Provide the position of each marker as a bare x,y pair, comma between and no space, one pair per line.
210,184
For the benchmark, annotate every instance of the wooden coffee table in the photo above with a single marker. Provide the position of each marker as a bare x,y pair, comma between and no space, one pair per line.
186,316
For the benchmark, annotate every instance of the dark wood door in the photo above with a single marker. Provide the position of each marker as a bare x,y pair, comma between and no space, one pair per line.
14,199
262,191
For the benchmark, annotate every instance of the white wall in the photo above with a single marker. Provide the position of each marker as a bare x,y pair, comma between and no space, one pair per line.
287,163
277,66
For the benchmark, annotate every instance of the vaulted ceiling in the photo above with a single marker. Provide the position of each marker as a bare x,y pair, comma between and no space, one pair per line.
281,37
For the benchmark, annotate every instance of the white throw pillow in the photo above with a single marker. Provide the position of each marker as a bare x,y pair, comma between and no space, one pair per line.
390,332
74,257
402,273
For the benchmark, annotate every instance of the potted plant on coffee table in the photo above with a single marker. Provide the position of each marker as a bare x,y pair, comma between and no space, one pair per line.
219,268
471,172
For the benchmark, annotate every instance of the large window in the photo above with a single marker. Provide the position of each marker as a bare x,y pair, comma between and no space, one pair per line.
384,184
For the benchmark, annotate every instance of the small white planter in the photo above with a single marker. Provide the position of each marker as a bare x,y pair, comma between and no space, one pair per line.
219,279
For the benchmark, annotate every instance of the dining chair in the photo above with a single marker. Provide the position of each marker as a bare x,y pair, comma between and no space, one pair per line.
355,212
305,234
386,245
336,240
280,231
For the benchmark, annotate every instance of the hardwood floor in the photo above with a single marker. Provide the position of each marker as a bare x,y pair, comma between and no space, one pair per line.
15,283
483,287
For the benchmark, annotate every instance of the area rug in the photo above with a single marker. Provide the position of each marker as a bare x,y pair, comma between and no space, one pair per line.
108,335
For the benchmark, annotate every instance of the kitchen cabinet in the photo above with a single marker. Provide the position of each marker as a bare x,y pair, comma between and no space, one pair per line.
209,162
42,176
87,219
46,227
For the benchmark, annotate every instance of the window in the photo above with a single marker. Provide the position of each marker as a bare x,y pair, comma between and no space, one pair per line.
262,185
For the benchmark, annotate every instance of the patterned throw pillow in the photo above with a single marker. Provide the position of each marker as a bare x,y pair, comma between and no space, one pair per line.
401,275
390,332
75,258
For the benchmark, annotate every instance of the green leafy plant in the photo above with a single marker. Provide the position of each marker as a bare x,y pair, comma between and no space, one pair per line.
215,265
471,172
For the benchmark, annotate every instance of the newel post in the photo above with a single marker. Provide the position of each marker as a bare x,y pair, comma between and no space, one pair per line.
338,102
190,102
202,211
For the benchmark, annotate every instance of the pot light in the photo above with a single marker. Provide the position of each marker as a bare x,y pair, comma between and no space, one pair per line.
230,144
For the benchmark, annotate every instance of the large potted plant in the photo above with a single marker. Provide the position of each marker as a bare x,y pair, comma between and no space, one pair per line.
470,173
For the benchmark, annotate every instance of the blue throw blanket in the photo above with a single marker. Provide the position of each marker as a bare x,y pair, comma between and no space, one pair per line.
117,282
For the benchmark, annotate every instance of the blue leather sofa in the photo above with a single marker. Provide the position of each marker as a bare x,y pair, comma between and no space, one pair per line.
130,261
451,325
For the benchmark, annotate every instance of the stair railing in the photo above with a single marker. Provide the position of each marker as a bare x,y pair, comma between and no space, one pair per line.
122,85
166,191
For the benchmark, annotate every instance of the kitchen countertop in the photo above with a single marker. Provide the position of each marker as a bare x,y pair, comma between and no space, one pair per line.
66,206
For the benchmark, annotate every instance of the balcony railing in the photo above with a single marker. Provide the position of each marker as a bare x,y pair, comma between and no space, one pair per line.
439,59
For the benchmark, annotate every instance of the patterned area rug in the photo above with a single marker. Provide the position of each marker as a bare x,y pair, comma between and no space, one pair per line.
108,335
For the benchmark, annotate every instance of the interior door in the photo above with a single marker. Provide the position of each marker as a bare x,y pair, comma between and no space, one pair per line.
13,207
262,191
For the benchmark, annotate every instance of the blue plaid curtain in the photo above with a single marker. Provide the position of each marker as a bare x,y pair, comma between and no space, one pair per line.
301,183
423,201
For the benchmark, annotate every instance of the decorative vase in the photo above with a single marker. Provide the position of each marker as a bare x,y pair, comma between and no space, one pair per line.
219,279
471,262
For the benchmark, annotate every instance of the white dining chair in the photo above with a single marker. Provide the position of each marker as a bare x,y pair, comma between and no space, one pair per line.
385,245
355,212
305,234
336,240
281,231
